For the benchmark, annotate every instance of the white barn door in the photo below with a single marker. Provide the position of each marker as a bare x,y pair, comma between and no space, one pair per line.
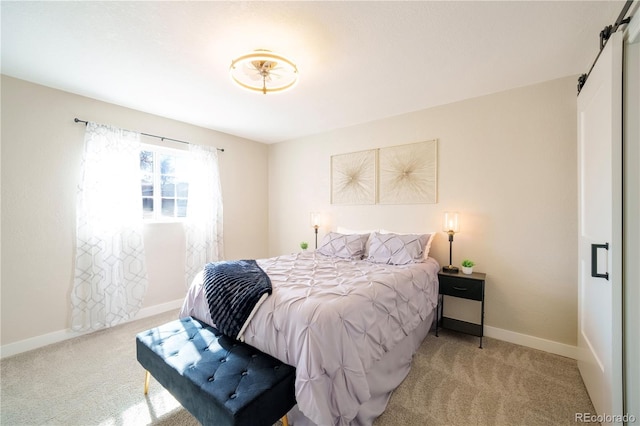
600,231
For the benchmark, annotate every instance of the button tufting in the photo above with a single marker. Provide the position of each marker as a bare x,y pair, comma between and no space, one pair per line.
241,359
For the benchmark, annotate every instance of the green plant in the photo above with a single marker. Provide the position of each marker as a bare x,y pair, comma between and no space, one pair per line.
304,245
468,263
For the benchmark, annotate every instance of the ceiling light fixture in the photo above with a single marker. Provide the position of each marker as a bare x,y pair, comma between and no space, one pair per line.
264,71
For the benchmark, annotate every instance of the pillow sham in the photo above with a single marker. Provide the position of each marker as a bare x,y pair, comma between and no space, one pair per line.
342,230
427,248
347,246
397,249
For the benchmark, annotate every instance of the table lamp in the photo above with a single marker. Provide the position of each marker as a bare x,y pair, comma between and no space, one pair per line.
450,226
315,224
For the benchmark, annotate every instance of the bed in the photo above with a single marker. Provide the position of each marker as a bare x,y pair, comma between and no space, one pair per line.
349,316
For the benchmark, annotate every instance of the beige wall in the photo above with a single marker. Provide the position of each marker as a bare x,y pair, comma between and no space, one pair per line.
507,163
41,152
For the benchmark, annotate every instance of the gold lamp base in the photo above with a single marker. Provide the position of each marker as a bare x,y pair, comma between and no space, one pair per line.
450,269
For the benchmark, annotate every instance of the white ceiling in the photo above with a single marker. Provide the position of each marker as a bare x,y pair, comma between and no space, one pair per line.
358,61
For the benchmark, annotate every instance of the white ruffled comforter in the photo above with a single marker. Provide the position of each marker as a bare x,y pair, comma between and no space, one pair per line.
333,319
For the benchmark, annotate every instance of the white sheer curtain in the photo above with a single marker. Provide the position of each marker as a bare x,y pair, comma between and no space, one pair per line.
203,224
110,271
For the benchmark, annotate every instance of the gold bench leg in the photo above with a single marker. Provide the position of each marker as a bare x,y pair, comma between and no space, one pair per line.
285,421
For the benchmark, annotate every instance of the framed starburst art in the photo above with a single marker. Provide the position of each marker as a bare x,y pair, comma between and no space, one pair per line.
408,174
353,178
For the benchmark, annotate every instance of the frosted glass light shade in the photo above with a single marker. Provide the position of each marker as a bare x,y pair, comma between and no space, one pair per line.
315,219
450,222
264,71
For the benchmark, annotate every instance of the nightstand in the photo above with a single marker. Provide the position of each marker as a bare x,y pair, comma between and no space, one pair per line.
466,287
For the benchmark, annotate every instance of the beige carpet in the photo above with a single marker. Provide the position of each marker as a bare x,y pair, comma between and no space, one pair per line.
453,382
96,380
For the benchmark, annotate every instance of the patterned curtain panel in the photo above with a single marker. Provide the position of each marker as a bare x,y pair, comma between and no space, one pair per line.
110,272
203,224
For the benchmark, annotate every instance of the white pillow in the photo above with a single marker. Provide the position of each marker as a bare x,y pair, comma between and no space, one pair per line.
396,249
429,234
342,230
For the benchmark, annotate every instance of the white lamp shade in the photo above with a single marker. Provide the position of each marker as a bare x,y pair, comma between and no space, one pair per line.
450,222
315,219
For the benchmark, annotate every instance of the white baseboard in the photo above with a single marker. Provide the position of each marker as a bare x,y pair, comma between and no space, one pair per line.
532,342
58,336
158,309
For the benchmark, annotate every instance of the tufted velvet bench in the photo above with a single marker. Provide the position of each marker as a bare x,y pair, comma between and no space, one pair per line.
219,380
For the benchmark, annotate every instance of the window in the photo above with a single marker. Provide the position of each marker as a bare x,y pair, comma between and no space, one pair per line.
164,182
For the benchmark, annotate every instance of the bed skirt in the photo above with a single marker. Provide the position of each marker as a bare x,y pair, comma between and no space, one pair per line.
386,375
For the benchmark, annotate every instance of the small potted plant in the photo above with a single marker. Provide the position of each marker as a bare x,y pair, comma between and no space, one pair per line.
467,266
304,245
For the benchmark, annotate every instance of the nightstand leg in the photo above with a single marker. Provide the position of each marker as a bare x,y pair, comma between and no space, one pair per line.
438,315
482,319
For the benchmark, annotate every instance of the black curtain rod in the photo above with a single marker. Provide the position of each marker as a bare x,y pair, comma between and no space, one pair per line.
77,120
604,37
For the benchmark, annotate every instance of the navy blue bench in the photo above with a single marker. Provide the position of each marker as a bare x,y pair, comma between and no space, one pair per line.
219,380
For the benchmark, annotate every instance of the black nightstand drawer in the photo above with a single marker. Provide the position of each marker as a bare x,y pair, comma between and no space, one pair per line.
461,287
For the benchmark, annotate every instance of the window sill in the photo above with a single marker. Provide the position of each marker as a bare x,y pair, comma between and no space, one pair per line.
162,221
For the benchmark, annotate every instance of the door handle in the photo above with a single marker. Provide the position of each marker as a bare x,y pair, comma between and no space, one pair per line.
594,260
